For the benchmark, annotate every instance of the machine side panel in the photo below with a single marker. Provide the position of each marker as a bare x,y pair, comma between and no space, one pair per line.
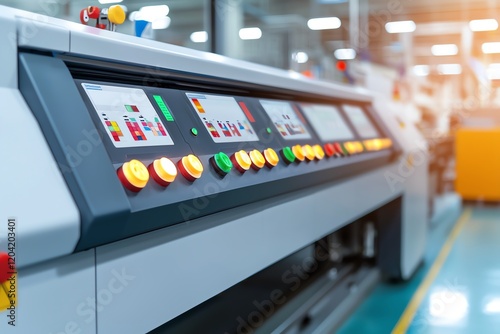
193,266
74,141
33,190
56,297
8,51
412,172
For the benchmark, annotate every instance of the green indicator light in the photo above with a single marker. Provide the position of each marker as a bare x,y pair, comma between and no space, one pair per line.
268,130
288,155
163,107
194,131
223,162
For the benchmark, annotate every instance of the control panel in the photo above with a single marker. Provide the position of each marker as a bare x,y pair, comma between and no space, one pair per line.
163,155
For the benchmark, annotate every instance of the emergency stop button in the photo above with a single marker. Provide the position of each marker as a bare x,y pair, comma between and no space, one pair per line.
190,167
133,175
241,161
272,158
163,171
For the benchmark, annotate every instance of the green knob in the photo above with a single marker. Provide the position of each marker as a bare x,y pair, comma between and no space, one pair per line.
223,162
288,155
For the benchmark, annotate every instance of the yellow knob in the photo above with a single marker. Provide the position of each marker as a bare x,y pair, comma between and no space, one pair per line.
192,165
116,14
257,159
309,152
299,152
272,158
319,153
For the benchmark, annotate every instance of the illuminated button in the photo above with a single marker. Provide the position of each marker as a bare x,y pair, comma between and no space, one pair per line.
318,152
309,152
133,175
221,163
272,158
329,150
287,155
190,167
241,161
350,147
258,160
299,153
163,171
339,148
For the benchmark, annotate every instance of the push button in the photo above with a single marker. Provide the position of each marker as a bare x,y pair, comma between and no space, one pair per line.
287,155
272,158
329,150
221,163
299,153
309,152
318,152
340,149
241,161
133,175
190,167
163,171
258,160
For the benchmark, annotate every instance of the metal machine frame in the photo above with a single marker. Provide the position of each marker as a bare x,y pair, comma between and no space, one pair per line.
139,283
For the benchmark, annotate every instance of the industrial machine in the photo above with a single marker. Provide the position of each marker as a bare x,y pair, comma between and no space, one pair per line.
149,187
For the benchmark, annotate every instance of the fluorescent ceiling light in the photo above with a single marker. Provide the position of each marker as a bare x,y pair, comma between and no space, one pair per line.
421,70
300,57
444,50
345,54
250,33
449,69
109,1
323,23
161,23
493,47
400,27
199,37
483,25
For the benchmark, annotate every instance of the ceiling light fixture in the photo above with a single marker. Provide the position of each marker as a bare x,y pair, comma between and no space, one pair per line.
104,2
397,27
492,47
324,23
444,49
199,37
250,33
344,54
483,25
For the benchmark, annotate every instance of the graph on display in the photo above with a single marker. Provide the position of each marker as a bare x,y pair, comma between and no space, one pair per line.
285,119
223,118
128,116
